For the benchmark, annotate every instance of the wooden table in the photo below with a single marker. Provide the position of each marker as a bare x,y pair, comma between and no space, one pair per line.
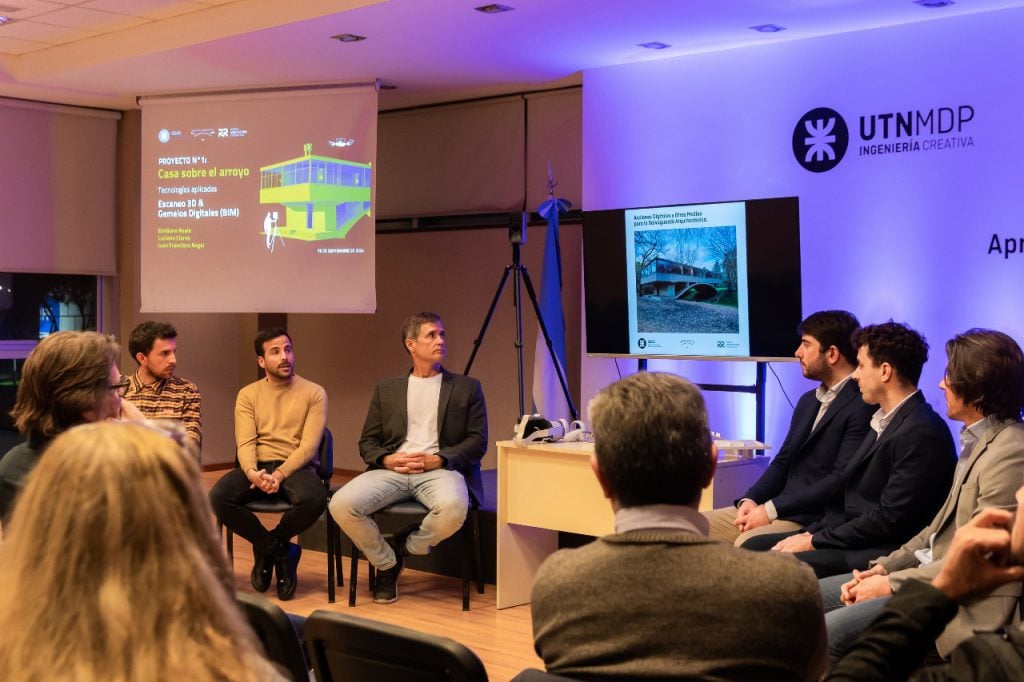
549,487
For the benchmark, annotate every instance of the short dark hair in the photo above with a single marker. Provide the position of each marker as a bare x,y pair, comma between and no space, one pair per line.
651,439
266,335
832,328
411,325
143,337
904,349
64,377
986,370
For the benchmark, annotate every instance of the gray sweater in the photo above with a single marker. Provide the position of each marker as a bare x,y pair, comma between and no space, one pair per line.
676,605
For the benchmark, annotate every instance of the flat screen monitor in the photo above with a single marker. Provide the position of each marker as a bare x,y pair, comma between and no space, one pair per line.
715,280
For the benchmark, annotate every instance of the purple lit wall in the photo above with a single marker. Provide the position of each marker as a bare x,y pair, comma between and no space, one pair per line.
903,229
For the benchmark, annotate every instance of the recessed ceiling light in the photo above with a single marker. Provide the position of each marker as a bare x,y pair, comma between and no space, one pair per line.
654,46
768,28
932,4
493,8
348,38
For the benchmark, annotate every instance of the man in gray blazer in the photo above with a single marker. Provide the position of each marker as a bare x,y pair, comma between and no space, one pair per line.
984,387
423,438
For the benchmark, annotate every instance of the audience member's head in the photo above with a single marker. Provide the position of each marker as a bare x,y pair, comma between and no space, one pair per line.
894,344
832,328
69,378
651,440
986,371
111,568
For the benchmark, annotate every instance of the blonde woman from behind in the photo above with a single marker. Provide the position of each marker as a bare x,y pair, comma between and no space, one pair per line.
111,570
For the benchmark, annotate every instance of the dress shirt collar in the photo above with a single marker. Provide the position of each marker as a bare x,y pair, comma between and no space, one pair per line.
880,420
826,394
970,435
157,386
661,517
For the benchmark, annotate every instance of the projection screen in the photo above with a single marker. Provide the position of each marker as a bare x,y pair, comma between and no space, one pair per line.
259,201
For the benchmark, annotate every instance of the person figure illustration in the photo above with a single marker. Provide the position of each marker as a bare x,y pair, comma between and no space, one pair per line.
270,230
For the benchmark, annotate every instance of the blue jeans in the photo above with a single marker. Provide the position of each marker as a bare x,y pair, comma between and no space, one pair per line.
441,491
845,623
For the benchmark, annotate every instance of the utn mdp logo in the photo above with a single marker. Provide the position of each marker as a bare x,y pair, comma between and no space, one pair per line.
820,139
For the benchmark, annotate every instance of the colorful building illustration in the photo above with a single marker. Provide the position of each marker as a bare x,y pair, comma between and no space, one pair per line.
323,197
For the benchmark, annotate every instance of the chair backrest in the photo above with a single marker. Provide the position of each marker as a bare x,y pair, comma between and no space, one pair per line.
277,634
534,675
350,648
325,457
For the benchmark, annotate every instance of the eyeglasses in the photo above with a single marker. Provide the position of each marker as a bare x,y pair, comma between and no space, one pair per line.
121,387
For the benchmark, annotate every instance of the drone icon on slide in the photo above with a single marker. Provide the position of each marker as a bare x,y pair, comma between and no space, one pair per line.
341,142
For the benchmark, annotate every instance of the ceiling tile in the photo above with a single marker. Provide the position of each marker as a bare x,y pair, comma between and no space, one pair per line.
44,33
149,9
14,46
91,20
32,8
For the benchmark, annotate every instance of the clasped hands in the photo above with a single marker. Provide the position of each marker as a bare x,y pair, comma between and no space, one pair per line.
866,585
412,462
979,560
268,483
750,515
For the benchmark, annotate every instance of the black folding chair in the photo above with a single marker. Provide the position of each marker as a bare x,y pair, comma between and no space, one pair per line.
353,649
277,505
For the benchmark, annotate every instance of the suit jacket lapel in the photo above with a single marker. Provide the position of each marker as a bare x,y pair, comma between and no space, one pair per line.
442,400
403,403
863,454
951,500
848,393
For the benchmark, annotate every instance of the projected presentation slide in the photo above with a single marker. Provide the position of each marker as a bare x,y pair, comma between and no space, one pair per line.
689,274
259,202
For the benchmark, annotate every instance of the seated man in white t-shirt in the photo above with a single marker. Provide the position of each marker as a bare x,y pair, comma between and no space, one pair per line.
423,439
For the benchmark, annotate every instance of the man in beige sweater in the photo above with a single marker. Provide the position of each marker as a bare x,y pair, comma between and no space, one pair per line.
279,421
658,599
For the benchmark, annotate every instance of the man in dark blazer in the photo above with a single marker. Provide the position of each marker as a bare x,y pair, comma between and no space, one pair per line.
423,439
828,425
899,476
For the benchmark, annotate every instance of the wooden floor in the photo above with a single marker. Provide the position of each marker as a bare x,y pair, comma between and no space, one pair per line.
431,603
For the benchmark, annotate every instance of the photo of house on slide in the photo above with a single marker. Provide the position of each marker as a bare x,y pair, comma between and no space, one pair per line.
322,197
686,280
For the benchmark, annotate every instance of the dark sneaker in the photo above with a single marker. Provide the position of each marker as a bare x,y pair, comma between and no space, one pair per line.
397,541
262,570
287,565
385,588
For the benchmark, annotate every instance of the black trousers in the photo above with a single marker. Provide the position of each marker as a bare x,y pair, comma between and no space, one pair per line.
825,562
303,490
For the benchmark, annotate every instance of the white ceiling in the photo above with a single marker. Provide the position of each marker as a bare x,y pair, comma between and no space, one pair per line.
105,53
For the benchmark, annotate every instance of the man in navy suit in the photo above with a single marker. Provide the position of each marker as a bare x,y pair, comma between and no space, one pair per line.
423,438
899,476
828,425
